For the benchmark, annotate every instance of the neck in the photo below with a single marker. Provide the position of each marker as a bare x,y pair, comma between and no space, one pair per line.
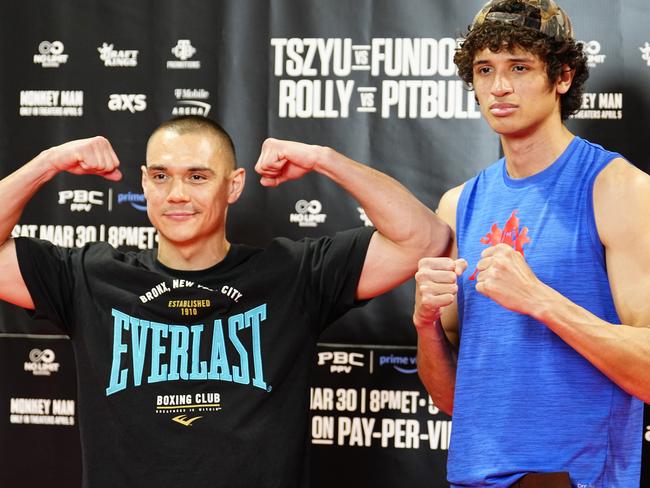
193,256
531,153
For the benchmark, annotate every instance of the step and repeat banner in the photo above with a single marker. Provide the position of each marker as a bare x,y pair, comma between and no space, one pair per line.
373,79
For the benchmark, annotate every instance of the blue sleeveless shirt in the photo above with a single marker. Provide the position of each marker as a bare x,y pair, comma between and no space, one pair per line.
525,401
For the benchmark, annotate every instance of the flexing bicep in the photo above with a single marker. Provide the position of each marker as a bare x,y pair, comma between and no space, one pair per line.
12,285
621,207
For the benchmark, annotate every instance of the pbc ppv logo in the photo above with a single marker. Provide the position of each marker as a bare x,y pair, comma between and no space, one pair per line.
308,213
120,102
50,54
41,363
340,361
183,50
592,50
81,200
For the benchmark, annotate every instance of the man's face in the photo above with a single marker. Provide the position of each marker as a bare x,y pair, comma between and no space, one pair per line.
188,181
514,92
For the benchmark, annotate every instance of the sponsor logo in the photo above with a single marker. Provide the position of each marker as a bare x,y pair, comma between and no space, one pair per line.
136,200
592,50
645,53
51,103
308,213
233,356
402,364
191,101
340,361
316,78
114,58
50,54
121,102
183,50
81,200
184,420
647,433
41,362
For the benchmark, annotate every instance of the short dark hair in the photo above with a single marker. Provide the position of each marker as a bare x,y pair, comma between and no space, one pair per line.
554,52
184,124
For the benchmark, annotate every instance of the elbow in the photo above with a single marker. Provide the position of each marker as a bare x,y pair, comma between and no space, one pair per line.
440,237
442,397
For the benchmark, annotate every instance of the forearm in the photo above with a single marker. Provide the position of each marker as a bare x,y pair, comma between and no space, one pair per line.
393,210
621,352
18,188
437,362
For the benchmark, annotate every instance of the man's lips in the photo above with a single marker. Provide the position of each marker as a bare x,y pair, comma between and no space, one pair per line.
179,214
501,109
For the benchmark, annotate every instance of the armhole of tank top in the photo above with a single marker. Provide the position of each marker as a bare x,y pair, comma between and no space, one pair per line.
462,203
597,244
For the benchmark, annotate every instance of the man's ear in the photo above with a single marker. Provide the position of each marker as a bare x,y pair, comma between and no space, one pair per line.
143,169
236,183
565,79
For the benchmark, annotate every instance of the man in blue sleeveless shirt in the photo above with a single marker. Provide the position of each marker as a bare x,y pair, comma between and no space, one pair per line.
535,332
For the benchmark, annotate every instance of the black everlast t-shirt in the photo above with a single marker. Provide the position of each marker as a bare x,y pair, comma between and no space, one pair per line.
194,378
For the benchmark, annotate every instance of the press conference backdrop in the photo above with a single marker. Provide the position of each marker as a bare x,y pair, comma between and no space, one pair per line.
373,79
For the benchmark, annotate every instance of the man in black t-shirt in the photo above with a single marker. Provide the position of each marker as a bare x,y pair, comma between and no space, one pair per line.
193,359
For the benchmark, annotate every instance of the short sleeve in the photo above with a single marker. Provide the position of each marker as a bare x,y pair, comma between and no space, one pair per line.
47,272
333,266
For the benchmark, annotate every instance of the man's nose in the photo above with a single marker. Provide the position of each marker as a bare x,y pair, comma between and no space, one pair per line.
177,192
501,85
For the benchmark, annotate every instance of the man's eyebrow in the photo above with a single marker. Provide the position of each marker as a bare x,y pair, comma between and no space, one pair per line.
514,59
162,167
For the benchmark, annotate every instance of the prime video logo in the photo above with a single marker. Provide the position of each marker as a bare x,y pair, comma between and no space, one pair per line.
136,200
403,364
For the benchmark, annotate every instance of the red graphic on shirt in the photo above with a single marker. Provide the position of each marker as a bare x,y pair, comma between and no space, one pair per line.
509,235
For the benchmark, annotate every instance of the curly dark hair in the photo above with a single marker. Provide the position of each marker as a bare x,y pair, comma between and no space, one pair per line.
555,53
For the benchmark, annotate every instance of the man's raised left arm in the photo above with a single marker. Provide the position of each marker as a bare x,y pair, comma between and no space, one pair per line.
407,230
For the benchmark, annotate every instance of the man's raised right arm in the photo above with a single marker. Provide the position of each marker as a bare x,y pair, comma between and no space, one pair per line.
85,156
436,313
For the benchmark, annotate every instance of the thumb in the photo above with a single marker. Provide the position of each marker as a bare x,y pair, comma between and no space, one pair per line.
460,265
268,181
115,175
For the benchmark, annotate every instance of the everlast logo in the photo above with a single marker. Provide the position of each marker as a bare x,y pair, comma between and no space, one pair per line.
181,346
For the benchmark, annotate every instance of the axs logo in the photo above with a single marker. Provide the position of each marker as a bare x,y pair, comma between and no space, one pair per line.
121,102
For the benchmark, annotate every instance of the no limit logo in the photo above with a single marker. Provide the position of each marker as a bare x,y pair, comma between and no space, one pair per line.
592,50
50,54
41,362
308,213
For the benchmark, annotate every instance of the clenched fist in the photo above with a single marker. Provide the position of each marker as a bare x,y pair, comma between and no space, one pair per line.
85,156
435,287
282,161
